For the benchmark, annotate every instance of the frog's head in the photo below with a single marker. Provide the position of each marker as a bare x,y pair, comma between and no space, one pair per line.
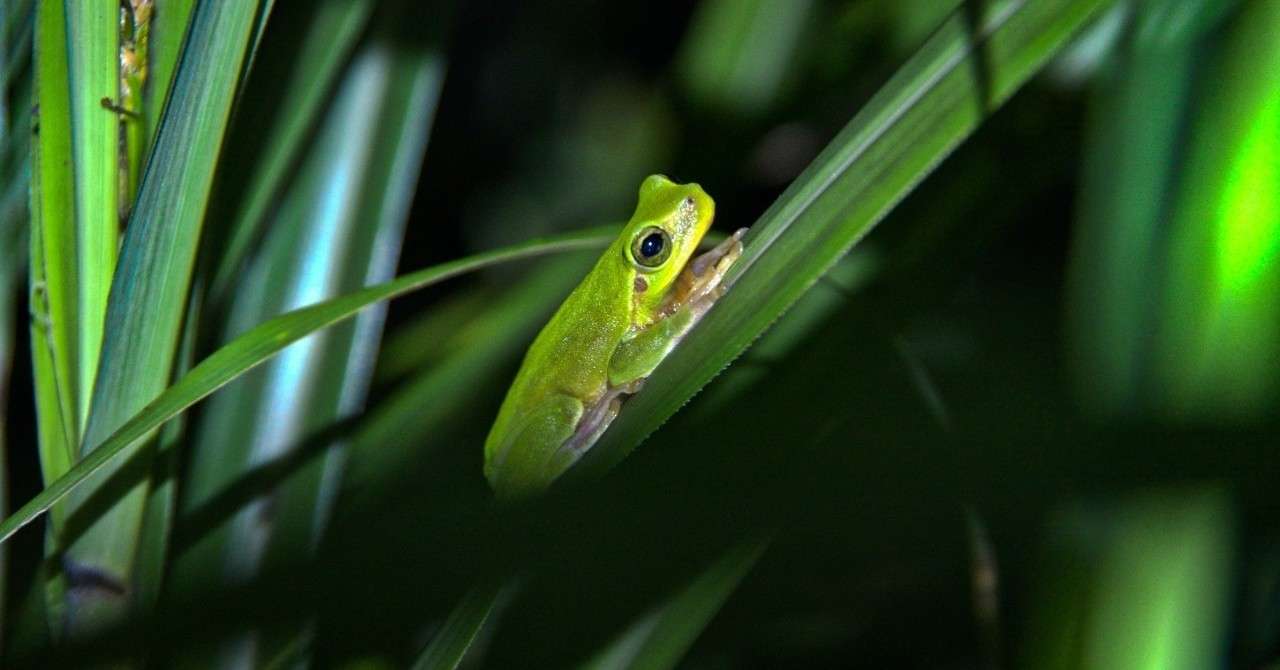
669,222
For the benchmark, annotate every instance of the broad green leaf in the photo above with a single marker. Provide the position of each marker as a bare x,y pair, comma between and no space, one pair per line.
262,342
93,55
934,101
149,290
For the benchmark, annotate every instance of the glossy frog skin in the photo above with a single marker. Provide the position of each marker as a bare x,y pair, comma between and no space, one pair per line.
629,312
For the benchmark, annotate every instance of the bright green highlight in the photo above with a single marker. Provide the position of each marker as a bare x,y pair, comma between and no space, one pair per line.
1161,592
1219,325
1249,211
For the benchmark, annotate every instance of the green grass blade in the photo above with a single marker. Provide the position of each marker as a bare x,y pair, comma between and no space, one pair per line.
152,566
265,340
661,639
416,416
934,101
451,642
330,34
54,322
391,163
1162,588
339,228
148,296
93,55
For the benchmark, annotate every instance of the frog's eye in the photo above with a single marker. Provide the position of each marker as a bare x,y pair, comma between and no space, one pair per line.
651,247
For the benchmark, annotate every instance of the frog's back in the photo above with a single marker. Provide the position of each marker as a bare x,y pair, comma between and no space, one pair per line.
571,355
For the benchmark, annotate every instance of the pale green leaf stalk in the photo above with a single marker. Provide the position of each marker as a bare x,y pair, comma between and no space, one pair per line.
148,303
93,55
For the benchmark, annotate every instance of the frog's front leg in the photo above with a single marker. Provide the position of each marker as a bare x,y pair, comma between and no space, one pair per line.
698,288
699,285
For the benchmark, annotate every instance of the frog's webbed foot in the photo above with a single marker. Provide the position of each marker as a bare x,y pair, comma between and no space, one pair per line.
699,286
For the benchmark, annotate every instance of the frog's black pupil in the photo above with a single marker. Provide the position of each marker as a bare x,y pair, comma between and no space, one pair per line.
651,246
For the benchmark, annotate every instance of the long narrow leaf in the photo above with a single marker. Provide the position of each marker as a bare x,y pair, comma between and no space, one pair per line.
54,321
661,639
149,291
451,642
265,340
330,33
93,53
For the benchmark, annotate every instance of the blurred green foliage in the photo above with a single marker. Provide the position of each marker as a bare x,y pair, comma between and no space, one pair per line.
1027,421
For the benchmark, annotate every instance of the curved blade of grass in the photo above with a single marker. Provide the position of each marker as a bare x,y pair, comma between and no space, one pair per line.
415,417
935,101
450,644
268,338
661,639
149,290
